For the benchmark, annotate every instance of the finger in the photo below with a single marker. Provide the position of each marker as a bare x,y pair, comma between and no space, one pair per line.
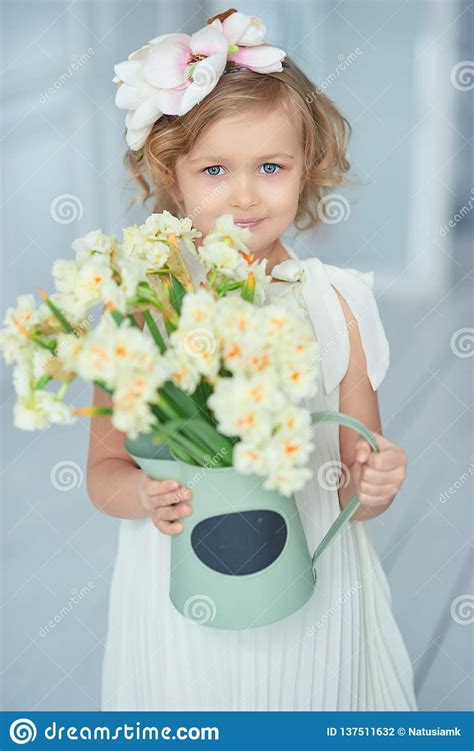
157,487
362,451
374,493
170,499
386,460
381,477
171,513
169,528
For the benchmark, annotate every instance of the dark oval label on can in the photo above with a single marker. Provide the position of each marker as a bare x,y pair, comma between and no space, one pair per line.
240,543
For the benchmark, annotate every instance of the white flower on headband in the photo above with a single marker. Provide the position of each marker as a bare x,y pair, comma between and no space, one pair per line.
173,72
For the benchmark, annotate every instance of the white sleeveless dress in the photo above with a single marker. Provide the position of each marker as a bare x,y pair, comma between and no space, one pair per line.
342,650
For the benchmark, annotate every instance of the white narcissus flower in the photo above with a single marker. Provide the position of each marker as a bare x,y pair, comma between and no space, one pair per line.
147,241
130,401
113,354
226,231
249,458
94,242
41,409
133,242
22,379
198,309
132,272
286,478
246,406
82,285
14,343
183,369
262,280
198,346
225,258
144,246
165,224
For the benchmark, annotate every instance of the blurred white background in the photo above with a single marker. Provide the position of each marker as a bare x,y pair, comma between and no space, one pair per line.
402,73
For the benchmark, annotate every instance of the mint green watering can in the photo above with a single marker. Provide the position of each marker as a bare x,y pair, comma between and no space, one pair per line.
242,559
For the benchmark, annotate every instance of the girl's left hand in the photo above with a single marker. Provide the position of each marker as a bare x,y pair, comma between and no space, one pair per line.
378,476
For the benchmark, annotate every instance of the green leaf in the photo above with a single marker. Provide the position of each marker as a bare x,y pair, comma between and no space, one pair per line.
220,446
183,402
154,330
177,293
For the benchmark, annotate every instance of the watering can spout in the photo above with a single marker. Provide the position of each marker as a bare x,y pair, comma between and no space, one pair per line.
350,509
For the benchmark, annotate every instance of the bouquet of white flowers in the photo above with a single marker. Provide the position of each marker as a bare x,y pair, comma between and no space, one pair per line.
225,375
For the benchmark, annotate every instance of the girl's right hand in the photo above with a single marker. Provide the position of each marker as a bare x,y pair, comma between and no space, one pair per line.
163,504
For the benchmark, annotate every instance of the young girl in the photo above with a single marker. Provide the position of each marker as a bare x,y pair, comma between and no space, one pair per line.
249,135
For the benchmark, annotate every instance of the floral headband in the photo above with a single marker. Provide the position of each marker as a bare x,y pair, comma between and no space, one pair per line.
174,72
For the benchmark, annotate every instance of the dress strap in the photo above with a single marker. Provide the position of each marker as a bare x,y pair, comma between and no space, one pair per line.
327,316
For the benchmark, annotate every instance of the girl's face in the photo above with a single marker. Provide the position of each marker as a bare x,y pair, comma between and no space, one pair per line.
249,165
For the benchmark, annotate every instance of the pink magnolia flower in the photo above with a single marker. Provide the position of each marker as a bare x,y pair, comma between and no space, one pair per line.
246,31
173,72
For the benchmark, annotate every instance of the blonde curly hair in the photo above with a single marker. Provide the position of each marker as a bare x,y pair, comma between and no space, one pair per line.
326,134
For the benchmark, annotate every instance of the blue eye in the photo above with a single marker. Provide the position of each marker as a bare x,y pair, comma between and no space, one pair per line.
217,167
272,164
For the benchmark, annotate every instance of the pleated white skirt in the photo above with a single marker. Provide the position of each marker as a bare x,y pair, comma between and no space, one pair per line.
341,651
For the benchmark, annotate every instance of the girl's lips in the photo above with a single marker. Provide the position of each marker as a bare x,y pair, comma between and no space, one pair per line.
248,224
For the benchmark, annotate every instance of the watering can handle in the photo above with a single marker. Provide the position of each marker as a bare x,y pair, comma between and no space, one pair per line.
351,507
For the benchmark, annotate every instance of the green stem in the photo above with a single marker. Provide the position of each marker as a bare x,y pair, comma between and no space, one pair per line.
42,382
62,320
62,390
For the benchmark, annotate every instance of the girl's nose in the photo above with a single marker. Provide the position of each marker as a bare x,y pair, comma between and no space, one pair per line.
243,194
